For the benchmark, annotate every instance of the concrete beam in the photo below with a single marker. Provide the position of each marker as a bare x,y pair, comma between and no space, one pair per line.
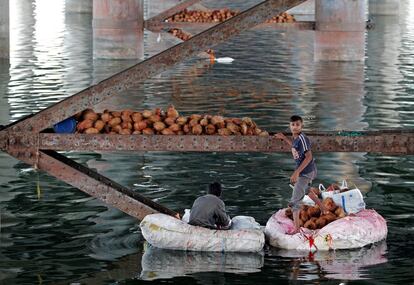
118,29
4,29
384,7
78,6
340,30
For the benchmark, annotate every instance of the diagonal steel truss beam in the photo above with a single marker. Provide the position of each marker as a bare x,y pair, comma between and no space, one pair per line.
154,65
90,182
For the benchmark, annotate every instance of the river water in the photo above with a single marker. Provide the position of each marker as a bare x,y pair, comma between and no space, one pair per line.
53,233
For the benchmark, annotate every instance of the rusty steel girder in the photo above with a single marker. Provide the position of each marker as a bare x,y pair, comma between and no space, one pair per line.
390,142
152,66
91,182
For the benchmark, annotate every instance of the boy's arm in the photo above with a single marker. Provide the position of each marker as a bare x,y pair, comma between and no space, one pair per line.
222,219
305,162
284,138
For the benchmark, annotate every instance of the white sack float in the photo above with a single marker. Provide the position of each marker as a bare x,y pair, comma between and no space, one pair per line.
361,229
167,232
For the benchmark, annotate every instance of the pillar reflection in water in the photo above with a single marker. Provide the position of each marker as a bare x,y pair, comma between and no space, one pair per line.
384,84
78,52
4,29
339,89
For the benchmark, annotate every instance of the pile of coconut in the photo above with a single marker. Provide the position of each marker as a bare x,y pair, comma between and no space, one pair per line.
180,34
195,16
282,18
312,218
149,122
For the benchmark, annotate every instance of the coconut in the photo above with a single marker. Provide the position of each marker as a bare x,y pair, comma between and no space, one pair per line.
175,127
106,117
197,130
204,121
136,132
180,133
329,204
195,116
126,118
243,128
99,125
136,117
289,213
232,127
330,217
310,225
148,131
220,125
224,132
117,129
159,126
158,112
114,121
182,120
186,129
116,114
139,126
167,132
248,121
85,124
237,121
155,118
210,129
125,132
126,125
146,114
172,112
321,222
169,121
91,131
89,114
194,122
314,211
340,213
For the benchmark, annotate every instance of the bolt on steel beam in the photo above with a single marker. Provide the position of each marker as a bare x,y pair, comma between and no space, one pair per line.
91,182
152,66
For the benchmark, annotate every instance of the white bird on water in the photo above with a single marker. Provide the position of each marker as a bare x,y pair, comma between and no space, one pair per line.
213,58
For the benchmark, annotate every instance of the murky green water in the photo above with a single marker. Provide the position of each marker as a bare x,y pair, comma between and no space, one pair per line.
66,237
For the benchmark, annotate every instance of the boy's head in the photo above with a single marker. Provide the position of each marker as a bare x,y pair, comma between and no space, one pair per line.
296,124
215,189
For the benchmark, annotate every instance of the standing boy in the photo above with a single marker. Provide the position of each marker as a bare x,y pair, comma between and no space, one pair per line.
305,170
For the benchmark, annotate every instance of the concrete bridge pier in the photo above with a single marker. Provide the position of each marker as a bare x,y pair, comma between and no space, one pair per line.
118,29
78,6
340,30
384,7
4,29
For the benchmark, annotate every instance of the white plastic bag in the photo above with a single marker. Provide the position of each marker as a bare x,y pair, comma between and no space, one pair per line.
351,201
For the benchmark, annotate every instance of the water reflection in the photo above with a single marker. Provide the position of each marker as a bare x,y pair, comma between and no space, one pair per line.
161,264
340,264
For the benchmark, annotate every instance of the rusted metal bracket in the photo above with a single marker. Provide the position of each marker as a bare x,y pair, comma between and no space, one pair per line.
90,182
395,142
154,65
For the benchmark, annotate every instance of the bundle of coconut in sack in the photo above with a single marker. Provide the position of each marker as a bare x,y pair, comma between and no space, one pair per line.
312,218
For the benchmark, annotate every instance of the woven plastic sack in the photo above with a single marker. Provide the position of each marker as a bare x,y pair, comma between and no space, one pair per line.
167,232
361,229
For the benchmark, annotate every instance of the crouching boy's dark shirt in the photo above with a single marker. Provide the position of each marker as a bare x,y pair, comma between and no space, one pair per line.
209,211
